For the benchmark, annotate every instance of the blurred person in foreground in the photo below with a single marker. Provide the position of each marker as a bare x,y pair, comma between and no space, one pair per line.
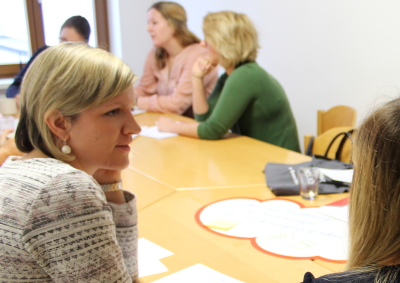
374,214
63,214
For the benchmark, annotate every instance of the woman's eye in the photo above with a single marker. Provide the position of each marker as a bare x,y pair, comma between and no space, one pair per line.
112,112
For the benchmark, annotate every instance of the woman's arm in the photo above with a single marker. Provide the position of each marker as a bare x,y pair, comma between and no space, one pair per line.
14,88
230,99
80,225
185,129
110,177
179,98
200,68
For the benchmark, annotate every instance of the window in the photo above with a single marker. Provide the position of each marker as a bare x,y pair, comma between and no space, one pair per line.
26,25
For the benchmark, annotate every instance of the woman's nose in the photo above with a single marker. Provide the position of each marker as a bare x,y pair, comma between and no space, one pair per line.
132,127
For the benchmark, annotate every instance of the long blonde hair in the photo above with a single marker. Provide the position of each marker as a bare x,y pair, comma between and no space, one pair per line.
233,36
374,223
69,77
175,15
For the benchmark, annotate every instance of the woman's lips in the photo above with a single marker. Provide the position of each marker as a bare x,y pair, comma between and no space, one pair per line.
124,147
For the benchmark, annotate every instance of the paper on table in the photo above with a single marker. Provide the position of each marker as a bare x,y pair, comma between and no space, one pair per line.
137,111
153,132
149,266
197,273
338,175
338,212
149,254
150,249
283,227
221,224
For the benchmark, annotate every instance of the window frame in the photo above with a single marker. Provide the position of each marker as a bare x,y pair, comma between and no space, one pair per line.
36,31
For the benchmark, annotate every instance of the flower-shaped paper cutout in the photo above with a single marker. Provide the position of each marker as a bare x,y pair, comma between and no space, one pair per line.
281,227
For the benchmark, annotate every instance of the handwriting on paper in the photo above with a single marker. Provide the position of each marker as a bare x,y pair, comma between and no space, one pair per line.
282,227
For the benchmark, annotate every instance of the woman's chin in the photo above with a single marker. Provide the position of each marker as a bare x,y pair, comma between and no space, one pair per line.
118,166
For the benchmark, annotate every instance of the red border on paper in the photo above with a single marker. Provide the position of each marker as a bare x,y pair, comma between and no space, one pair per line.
343,201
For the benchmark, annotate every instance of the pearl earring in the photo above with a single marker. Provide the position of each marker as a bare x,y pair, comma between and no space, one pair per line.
66,149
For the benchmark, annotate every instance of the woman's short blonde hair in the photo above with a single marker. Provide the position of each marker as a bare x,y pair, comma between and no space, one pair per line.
69,78
175,15
232,35
375,192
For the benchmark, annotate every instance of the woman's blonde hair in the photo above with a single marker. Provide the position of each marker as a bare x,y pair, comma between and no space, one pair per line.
375,193
69,78
232,35
175,15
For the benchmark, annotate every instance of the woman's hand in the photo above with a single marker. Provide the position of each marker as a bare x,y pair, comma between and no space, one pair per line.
186,129
103,176
107,176
166,124
202,67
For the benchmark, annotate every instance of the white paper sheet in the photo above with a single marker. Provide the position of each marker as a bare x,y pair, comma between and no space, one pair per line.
338,175
338,212
149,255
149,267
282,227
197,273
137,111
153,132
149,249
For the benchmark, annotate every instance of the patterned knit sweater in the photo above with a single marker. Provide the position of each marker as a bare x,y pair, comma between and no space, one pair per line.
56,226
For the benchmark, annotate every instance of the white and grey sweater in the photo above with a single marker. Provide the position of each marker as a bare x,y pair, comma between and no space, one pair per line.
56,226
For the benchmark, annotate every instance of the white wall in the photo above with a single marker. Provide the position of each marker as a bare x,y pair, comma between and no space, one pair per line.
324,53
128,36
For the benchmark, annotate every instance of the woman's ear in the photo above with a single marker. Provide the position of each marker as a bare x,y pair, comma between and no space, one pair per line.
58,124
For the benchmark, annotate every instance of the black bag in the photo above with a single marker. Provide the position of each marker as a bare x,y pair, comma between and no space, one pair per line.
282,178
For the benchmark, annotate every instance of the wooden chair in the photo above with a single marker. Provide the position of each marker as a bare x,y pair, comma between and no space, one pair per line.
321,143
338,116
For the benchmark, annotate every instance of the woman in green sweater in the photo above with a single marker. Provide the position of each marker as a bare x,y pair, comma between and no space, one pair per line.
246,100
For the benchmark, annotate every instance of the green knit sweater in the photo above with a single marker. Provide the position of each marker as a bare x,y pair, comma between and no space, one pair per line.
250,102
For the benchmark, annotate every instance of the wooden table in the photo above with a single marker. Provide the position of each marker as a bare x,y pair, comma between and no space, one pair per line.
185,163
175,177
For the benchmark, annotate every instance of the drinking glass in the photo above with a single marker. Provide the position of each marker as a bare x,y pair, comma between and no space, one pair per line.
308,181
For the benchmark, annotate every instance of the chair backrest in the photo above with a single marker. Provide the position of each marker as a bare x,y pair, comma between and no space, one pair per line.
321,143
338,116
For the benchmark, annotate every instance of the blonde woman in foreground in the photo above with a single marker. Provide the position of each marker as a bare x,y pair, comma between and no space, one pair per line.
63,215
374,217
246,99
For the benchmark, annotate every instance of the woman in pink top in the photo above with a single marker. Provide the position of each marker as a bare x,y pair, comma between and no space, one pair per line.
166,84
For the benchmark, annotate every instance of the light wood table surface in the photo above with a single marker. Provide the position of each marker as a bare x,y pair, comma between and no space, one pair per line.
212,195
147,190
171,224
174,177
186,163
